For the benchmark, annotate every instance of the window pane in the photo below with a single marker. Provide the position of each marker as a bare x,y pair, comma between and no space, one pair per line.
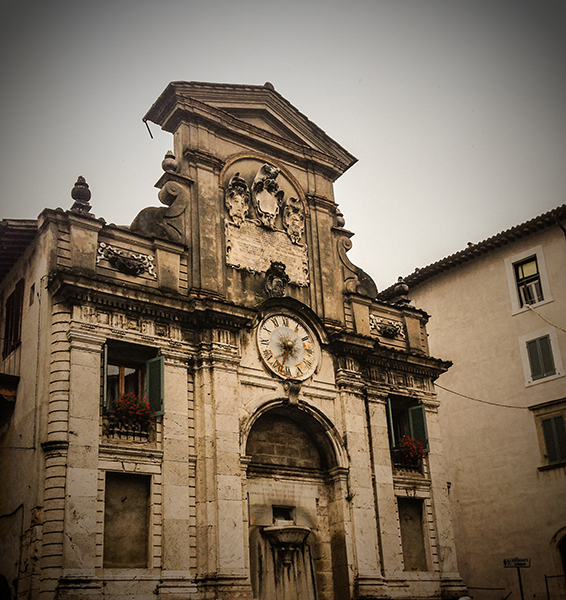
527,269
131,380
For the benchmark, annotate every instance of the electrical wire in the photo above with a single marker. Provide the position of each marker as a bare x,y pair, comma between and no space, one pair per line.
478,400
544,318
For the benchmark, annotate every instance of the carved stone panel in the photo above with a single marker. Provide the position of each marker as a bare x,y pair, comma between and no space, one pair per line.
253,248
265,221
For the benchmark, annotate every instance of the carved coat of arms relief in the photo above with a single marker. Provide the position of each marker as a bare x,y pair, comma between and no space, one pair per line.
264,226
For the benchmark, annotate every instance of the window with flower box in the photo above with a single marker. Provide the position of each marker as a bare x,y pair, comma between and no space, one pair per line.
135,371
408,436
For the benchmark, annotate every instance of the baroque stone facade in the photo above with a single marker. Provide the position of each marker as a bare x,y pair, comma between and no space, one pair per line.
221,407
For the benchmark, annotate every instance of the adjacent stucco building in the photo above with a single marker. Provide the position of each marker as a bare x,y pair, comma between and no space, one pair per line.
499,311
288,445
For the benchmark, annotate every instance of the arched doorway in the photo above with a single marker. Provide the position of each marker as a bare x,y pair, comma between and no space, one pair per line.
296,501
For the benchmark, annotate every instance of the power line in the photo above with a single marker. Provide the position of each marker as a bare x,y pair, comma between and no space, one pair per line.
478,400
544,318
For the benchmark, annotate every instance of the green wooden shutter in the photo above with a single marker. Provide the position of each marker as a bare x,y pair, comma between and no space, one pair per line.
554,432
546,356
105,398
417,424
154,383
534,359
390,429
541,360
560,428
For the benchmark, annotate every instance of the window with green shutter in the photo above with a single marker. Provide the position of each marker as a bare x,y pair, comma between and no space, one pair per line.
541,360
408,437
406,417
554,433
132,368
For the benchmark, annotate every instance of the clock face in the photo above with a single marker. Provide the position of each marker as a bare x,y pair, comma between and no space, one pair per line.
287,347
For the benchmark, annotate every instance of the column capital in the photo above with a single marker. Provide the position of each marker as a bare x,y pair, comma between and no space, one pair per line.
86,339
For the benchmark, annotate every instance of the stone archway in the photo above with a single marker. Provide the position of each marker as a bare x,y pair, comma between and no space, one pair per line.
295,491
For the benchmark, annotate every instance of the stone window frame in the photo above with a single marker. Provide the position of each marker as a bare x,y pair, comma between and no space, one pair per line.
555,349
510,269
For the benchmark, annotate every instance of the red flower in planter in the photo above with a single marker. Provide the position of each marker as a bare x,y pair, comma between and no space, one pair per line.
411,449
133,409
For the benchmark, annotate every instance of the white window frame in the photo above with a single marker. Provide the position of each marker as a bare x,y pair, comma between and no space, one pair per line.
510,263
551,333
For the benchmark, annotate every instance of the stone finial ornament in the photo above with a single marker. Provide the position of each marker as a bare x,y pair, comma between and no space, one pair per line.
237,199
170,164
267,195
340,221
294,219
81,195
276,280
401,290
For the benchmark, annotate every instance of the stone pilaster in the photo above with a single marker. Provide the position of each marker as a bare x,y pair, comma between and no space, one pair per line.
56,448
177,579
390,541
221,527
79,541
361,497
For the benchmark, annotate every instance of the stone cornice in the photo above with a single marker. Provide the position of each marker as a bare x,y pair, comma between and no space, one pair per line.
191,102
371,354
203,159
78,289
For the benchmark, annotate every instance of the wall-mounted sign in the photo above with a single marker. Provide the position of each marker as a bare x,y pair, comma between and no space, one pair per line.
516,562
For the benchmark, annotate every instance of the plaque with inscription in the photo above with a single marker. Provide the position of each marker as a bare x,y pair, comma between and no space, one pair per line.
252,248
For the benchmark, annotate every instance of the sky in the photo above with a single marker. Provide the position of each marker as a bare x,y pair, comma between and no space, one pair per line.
455,109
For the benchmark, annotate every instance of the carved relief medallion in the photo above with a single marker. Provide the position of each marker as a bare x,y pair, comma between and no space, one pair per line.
294,219
267,195
237,198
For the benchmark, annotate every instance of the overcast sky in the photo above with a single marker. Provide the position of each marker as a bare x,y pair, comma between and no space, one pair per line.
455,109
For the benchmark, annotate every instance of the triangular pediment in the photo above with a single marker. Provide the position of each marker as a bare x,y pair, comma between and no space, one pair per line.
253,111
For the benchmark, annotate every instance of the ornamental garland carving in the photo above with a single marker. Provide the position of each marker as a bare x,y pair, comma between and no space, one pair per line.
128,263
386,327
